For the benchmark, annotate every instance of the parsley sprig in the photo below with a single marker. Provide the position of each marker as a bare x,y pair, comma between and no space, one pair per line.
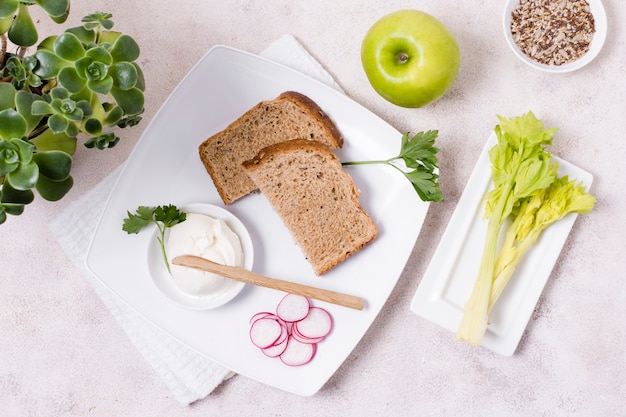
419,156
162,216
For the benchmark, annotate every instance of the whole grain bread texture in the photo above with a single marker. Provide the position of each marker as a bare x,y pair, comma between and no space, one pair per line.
291,115
315,198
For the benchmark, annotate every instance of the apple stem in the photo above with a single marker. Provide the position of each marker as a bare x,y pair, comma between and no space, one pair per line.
402,58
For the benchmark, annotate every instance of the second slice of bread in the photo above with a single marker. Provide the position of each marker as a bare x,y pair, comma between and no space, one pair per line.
315,198
289,116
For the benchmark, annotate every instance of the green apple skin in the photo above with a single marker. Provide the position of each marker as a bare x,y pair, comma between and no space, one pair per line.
410,58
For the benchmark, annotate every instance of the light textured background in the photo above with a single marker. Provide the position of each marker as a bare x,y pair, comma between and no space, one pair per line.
63,354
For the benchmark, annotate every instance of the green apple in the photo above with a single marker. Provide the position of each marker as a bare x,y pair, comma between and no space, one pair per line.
410,58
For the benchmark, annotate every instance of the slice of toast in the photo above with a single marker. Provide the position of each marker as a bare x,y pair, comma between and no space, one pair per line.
289,116
315,198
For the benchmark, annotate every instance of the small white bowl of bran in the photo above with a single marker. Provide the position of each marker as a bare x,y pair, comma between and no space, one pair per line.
556,36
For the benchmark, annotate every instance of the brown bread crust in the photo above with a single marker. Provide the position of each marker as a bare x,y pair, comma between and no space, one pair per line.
318,114
291,115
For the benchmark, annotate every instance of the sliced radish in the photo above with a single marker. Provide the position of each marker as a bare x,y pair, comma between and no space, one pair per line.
293,332
264,332
284,333
293,307
276,349
298,353
317,323
261,315
300,338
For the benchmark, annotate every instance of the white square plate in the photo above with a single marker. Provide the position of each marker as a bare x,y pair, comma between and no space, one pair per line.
450,276
164,168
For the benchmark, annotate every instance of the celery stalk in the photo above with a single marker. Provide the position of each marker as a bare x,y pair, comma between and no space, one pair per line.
520,166
527,190
475,319
536,214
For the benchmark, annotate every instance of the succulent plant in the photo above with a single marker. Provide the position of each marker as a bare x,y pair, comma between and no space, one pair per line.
82,82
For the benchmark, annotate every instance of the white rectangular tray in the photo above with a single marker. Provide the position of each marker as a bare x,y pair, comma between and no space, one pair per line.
450,276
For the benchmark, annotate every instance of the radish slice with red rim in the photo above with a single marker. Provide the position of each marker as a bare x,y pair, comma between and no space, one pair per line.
293,332
285,332
277,349
293,307
264,332
300,338
317,323
261,315
298,353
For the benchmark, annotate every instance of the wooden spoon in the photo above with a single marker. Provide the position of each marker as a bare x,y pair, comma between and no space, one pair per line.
249,277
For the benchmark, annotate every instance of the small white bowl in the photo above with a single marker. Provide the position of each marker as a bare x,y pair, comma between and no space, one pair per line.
600,22
163,280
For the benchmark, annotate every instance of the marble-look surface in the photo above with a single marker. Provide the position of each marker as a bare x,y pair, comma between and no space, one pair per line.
63,354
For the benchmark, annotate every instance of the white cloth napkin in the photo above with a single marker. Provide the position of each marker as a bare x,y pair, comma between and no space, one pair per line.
189,375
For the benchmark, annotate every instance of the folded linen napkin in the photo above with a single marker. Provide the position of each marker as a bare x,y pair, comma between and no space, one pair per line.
189,375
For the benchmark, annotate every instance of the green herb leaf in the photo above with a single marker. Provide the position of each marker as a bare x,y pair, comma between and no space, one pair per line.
135,222
169,215
425,184
162,216
420,150
420,159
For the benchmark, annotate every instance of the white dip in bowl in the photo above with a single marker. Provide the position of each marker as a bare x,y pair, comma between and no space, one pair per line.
210,232
209,238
